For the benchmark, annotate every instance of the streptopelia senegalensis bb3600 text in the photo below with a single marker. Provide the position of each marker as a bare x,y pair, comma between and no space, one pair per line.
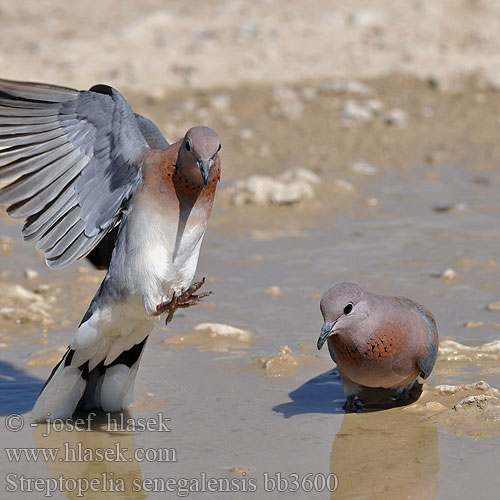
86,165
377,341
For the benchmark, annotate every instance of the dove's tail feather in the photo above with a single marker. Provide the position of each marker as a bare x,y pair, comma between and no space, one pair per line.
61,392
72,385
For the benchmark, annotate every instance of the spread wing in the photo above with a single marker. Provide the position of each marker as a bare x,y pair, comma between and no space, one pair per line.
76,157
101,254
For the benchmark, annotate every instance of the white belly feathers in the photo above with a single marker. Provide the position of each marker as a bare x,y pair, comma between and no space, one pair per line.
164,259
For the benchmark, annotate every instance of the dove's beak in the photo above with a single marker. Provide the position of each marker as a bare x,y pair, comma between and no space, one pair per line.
326,331
204,166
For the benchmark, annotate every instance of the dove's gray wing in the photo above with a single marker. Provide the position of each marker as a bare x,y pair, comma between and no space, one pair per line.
427,359
76,157
100,256
151,133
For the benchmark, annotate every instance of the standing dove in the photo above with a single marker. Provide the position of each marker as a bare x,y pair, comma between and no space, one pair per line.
377,341
88,169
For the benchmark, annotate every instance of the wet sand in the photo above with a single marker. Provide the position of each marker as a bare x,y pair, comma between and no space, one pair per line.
228,413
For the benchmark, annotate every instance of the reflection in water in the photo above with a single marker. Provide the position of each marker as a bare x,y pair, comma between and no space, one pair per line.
98,460
388,454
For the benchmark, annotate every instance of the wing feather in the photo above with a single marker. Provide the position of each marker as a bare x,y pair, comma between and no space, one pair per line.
69,237
57,231
75,159
30,164
23,152
29,185
38,223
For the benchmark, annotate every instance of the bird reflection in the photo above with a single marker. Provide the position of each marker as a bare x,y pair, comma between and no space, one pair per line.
388,454
81,464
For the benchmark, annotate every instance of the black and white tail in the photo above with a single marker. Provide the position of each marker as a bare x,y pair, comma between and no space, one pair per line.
91,374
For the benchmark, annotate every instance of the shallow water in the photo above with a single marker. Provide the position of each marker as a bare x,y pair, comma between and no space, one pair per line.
225,412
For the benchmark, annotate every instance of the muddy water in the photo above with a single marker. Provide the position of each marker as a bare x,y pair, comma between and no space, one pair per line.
229,417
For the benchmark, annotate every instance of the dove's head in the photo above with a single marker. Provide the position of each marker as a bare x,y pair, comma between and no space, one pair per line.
198,153
344,307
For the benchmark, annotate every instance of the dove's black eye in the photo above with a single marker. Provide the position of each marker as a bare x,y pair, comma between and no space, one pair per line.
188,145
348,308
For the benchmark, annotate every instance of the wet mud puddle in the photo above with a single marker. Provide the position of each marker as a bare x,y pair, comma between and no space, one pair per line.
253,402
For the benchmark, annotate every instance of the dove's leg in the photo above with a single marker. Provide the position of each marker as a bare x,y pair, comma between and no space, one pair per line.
351,391
404,393
186,299
352,404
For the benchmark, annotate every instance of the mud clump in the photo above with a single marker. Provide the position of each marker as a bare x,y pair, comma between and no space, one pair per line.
494,306
239,470
472,409
450,350
21,306
474,324
476,415
216,337
447,275
6,245
288,188
481,385
274,291
480,402
355,113
364,168
396,117
31,274
279,365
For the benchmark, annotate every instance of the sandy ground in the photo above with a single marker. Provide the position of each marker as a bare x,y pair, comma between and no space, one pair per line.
395,107
155,45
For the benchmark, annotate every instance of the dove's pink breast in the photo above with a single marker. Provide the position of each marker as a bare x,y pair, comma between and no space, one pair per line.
383,361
